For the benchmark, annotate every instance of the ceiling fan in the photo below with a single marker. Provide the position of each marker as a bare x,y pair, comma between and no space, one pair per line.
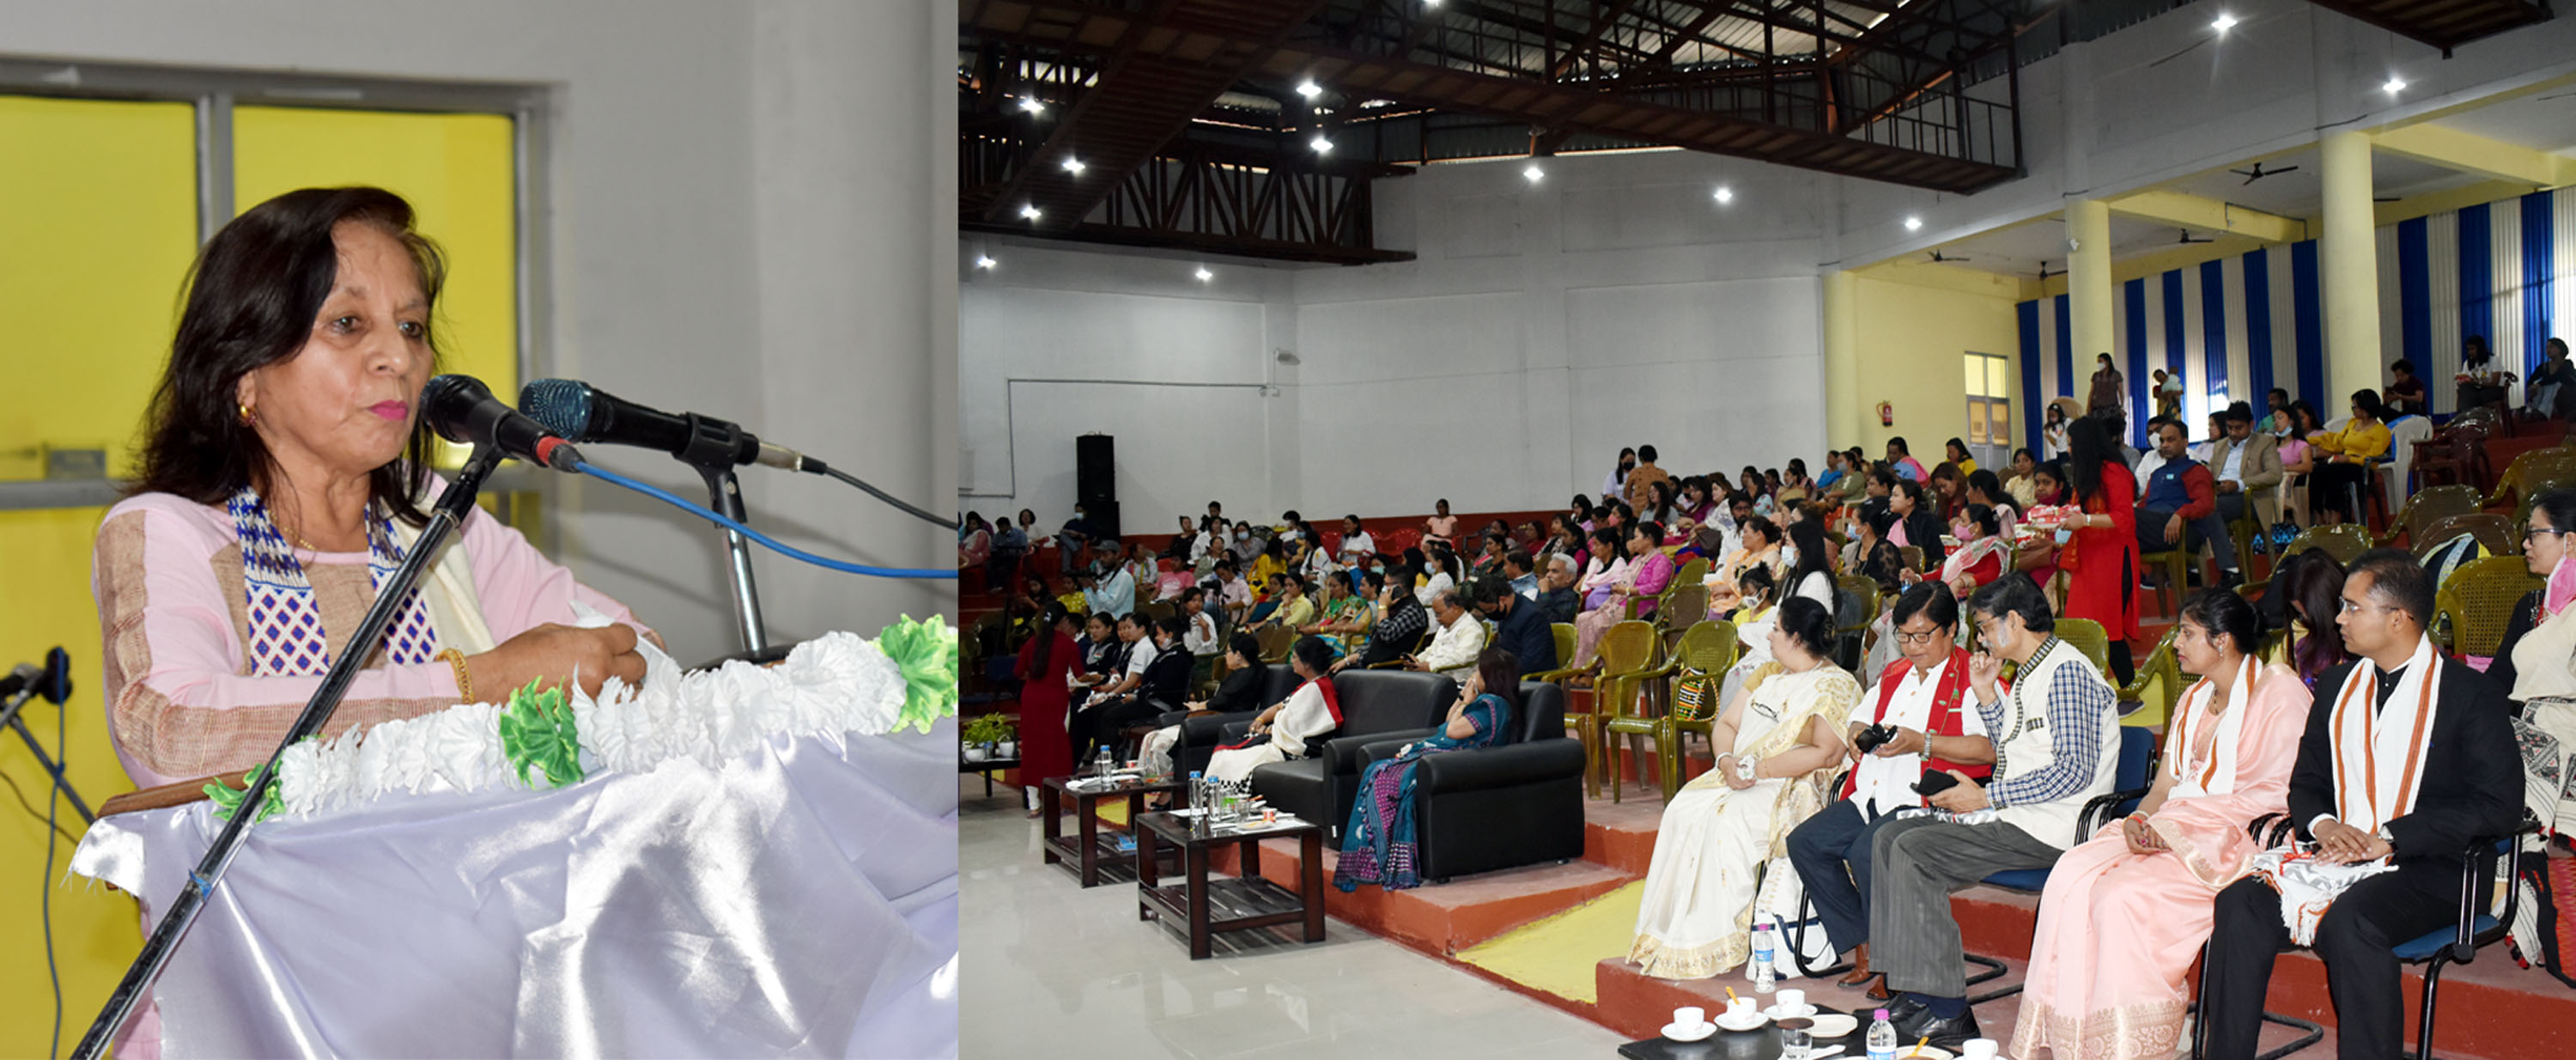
2044,274
1937,256
2187,239
2258,172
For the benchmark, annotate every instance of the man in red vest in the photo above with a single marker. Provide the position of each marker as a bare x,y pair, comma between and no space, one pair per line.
1922,700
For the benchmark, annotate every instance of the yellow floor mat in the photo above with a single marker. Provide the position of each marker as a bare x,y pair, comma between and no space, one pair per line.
1557,954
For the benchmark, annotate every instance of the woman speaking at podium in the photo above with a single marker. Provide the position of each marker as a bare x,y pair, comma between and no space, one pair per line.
284,470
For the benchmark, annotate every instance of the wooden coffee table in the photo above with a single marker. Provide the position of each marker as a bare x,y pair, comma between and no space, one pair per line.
1760,1043
1090,850
1238,904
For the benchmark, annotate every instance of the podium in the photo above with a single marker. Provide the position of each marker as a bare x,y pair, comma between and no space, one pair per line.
794,894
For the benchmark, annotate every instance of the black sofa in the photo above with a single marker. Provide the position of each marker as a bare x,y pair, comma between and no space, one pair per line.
1501,807
1201,733
1376,704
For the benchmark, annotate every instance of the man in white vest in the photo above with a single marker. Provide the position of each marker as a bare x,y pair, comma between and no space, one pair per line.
2408,758
2055,734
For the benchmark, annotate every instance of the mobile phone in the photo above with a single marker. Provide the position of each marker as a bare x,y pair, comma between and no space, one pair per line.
1934,784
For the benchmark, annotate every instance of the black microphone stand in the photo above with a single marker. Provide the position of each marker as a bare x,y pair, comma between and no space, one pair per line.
711,449
450,511
9,716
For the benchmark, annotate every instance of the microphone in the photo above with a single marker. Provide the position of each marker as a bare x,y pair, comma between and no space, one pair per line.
53,681
584,413
461,409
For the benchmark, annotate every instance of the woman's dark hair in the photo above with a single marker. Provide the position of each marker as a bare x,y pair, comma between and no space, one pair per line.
1414,558
2367,400
2088,447
1343,576
2220,612
1880,522
2560,506
1912,490
1988,525
1663,493
2056,413
2313,582
1814,556
1988,483
1374,577
253,295
1563,522
1613,546
1762,525
1502,676
1317,655
1581,504
1929,598
2054,469
1798,467
1102,617
1056,615
1652,531
2306,414
1959,444
1246,645
1756,580
1809,623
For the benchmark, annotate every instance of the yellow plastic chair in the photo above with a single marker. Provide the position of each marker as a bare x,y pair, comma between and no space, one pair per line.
2471,610
2520,481
1913,557
1627,654
1681,607
1708,649
2087,636
1275,642
2175,581
2495,533
2345,543
2428,506
2158,685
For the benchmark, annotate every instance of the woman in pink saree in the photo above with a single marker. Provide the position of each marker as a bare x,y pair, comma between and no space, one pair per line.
1641,578
2125,914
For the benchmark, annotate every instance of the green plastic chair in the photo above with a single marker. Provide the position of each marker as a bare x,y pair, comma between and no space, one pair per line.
2087,636
1708,649
1627,654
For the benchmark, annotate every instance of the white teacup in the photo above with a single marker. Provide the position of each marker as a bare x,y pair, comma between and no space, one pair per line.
1740,1008
1792,1000
1690,1017
1979,1049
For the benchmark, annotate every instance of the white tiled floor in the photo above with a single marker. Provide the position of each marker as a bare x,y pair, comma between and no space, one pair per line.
1056,971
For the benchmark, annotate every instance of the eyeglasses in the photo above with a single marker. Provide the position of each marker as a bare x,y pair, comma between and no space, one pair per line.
2530,532
2348,607
1903,637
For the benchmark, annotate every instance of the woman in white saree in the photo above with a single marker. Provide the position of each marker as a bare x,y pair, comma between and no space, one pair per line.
1783,738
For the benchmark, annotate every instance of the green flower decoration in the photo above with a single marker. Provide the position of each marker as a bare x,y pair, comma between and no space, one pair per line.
927,653
228,799
537,730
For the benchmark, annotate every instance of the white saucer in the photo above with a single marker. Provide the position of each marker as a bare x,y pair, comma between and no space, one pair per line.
1679,1033
1778,1013
1928,1052
1834,1025
1749,1023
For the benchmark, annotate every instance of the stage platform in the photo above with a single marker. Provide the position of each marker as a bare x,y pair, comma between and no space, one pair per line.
1557,933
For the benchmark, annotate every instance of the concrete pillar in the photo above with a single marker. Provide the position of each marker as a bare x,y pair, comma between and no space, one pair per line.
1843,414
2348,267
2088,286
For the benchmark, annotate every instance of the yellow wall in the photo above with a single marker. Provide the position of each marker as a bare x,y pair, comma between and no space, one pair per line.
98,221
98,224
1911,338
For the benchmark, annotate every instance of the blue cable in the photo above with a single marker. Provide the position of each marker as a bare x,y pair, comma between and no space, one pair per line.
53,797
660,494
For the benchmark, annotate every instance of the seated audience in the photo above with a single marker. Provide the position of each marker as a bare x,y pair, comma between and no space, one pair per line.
2343,463
1984,488
2022,488
2390,812
1199,636
2125,912
1520,571
1295,609
2057,727
1955,452
2247,464
2405,390
1520,628
1921,703
1983,556
1232,594
2536,666
1133,654
1285,730
1245,676
1456,637
1557,599
1901,461
2180,508
1401,620
1341,616
1782,737
1112,591
1917,524
1162,686
1378,842
1760,548
1874,556
1600,582
1636,582
2304,598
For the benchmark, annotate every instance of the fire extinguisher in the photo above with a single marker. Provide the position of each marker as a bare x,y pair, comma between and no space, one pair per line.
1886,414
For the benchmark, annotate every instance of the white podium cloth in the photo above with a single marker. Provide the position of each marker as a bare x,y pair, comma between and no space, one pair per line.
795,899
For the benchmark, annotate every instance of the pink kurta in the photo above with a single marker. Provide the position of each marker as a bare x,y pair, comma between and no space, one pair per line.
2118,931
168,576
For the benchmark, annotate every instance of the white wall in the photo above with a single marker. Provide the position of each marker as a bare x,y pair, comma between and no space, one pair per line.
711,250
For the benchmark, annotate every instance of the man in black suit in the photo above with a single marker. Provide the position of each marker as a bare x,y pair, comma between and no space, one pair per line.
2470,788
1519,628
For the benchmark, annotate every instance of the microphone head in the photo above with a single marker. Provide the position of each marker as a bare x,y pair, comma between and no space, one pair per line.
448,401
560,405
57,686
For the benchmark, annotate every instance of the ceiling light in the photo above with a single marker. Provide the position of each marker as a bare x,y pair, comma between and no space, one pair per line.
1029,211
2223,22
1205,275
2395,85
1725,194
1073,166
1321,144
1309,89
1032,105
1533,172
1913,224
983,261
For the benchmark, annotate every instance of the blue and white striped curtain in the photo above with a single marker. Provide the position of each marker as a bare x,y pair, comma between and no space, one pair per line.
2237,327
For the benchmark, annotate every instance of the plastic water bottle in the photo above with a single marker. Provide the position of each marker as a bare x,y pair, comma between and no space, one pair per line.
1763,973
1100,762
1197,790
1882,1037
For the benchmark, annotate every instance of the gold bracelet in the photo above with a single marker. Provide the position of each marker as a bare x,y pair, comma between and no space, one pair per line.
464,681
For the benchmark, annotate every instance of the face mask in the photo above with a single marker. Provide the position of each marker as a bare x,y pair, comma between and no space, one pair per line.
2064,535
1789,555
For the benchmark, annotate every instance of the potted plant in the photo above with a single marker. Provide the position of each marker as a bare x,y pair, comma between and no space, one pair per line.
1007,745
982,733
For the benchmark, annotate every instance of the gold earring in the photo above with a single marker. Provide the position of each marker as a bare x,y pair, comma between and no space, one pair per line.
248,417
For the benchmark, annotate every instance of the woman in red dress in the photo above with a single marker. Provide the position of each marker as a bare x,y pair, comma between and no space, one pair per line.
1046,750
2102,560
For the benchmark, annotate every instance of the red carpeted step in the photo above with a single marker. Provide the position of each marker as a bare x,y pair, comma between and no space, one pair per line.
1444,918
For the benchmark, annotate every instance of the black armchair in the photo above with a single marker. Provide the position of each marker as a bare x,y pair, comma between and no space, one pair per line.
1200,734
1375,704
1517,803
